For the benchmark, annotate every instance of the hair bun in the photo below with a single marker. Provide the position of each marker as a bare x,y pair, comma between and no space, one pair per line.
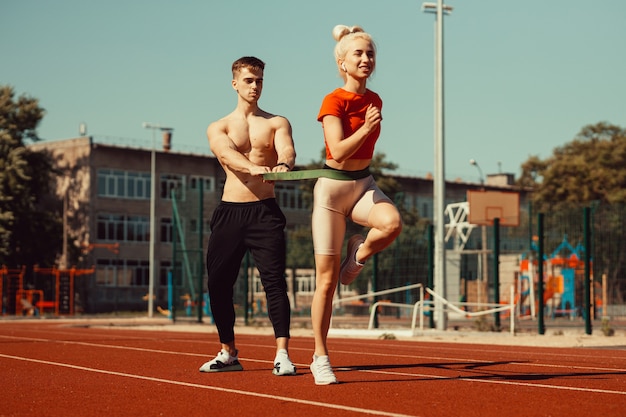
340,31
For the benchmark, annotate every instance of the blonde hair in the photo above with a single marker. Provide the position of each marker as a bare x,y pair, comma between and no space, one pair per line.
343,34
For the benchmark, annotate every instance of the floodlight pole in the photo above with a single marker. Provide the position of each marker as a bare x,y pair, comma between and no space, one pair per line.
439,182
153,191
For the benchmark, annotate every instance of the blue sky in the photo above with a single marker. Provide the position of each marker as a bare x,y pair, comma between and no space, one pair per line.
521,77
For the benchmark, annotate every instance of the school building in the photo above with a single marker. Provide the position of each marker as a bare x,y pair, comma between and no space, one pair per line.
107,213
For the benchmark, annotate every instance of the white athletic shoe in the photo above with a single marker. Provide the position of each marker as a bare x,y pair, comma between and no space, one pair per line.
322,371
223,362
350,268
283,365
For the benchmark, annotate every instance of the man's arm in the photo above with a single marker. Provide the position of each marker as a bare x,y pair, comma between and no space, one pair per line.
226,152
283,143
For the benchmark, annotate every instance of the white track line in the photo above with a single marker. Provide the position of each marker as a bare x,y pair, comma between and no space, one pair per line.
557,387
212,388
465,360
523,384
512,349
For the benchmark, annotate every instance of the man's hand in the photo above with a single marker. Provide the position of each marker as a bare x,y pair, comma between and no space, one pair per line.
281,167
258,170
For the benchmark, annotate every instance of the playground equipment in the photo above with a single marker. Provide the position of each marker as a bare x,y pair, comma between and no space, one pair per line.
11,281
64,294
54,290
561,269
30,301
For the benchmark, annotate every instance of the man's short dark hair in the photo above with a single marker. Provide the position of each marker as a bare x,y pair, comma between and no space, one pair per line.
248,62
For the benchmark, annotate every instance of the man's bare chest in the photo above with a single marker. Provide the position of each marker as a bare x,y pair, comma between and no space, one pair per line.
248,137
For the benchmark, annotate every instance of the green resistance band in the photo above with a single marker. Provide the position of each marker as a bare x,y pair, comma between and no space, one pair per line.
308,174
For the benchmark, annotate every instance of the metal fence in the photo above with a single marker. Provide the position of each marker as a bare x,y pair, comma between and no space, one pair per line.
408,261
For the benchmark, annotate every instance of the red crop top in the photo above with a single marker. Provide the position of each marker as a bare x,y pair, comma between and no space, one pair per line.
351,108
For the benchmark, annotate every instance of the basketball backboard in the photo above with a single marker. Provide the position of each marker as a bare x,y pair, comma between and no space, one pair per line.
484,206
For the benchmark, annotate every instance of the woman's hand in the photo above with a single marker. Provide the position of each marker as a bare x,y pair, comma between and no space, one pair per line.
373,117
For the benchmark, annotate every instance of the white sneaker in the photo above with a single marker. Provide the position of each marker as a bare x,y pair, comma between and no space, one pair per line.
283,365
223,362
350,268
322,371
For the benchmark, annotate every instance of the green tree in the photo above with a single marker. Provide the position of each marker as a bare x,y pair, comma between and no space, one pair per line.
30,229
592,167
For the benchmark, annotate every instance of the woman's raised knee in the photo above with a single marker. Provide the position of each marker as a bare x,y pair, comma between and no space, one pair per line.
390,223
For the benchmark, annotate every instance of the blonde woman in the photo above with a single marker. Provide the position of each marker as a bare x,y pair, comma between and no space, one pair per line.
351,119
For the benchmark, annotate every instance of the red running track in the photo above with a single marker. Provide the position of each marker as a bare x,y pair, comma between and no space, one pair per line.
69,369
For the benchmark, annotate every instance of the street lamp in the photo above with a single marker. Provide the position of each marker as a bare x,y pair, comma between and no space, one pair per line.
484,276
153,190
480,171
439,182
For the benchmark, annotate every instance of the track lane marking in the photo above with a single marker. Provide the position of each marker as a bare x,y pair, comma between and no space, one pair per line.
212,388
464,360
167,352
524,384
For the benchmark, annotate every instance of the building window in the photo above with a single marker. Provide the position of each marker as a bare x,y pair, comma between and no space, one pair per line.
106,273
289,196
141,272
208,183
172,182
179,274
123,184
409,201
166,230
164,270
194,226
122,272
119,228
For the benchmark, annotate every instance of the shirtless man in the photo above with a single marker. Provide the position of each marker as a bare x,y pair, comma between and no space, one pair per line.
248,143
